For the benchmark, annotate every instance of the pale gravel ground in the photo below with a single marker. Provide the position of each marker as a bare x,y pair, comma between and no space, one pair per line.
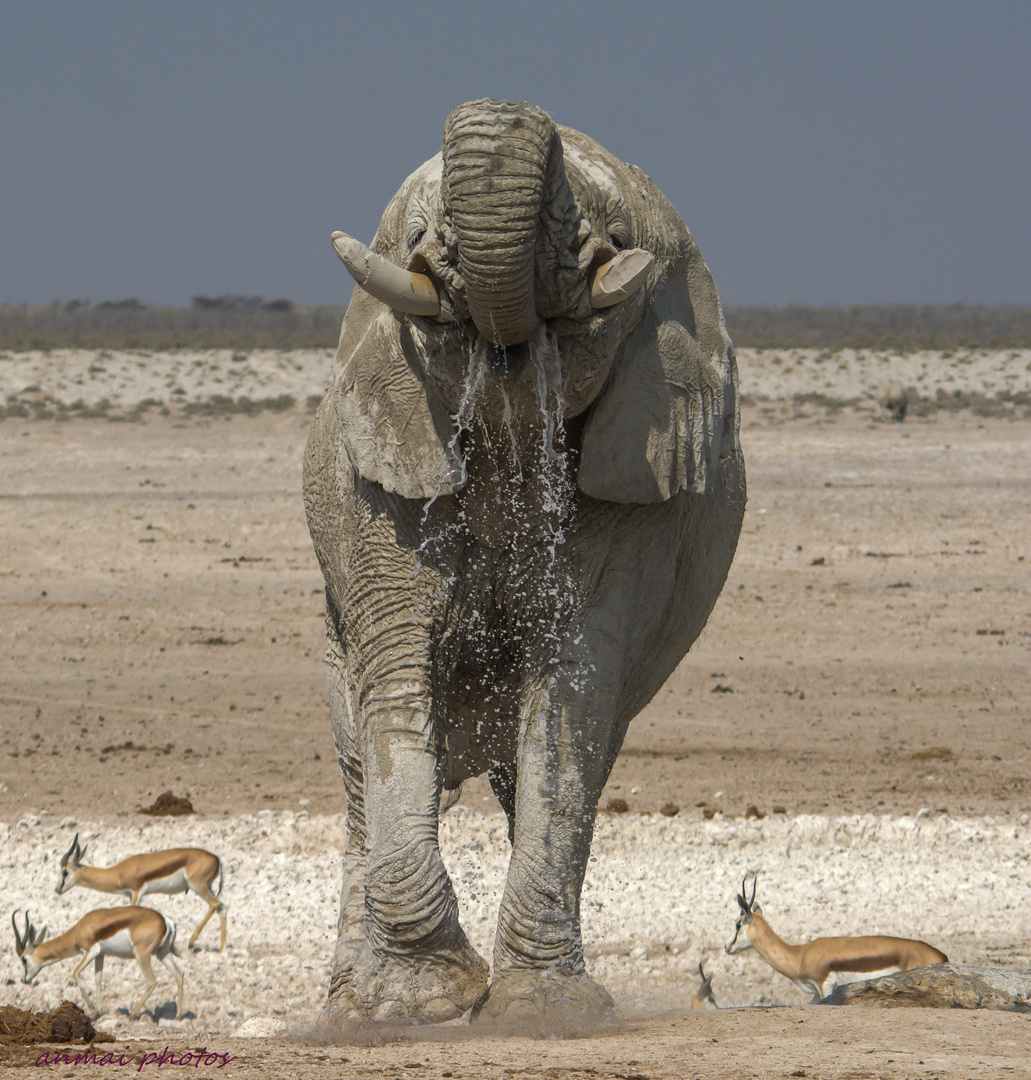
850,374
126,378
659,897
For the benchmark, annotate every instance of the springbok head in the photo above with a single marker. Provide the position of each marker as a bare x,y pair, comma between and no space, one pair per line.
704,991
25,945
70,862
749,909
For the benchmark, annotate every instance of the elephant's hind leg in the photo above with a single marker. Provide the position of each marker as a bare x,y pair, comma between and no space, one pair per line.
503,783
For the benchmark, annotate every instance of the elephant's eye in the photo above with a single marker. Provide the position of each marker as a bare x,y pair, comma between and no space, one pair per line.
619,235
618,223
414,236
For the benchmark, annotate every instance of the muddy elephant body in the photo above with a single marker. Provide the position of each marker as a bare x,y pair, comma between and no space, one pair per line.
525,500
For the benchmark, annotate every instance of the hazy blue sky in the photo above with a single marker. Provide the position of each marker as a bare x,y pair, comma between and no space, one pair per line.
842,152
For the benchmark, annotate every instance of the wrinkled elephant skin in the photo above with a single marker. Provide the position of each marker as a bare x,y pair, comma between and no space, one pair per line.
524,489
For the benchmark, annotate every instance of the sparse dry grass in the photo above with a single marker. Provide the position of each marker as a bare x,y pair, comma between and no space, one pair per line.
44,407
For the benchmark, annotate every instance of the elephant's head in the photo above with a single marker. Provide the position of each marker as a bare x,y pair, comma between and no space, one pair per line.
526,271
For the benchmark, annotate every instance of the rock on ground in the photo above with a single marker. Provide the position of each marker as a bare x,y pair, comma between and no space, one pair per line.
942,986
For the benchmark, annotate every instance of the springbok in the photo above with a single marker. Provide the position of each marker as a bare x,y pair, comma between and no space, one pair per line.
826,963
178,870
703,996
122,932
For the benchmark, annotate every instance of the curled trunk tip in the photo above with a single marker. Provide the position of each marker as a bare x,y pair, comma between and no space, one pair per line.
496,160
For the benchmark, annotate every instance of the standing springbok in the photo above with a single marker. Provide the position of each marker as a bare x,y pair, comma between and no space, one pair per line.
125,933
178,870
826,963
703,996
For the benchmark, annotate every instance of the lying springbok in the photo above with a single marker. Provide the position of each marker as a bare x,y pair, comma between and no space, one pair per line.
826,963
125,933
178,870
703,996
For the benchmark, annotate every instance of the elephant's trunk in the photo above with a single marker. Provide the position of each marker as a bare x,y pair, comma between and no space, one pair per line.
500,158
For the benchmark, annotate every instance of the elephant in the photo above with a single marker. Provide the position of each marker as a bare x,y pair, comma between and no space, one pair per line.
524,489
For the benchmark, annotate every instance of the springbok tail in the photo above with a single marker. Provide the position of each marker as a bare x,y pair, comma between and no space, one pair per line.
169,939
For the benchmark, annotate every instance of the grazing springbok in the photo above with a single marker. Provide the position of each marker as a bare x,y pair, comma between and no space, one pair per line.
124,932
178,870
826,963
703,996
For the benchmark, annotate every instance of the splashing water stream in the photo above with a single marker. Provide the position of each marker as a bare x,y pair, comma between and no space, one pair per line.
558,500
527,462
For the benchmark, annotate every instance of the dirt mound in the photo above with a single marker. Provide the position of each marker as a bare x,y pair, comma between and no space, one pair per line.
168,805
66,1024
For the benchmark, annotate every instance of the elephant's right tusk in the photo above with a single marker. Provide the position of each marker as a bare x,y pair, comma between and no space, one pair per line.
619,277
403,290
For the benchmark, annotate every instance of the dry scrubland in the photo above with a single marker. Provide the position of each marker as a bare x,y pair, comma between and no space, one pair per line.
863,684
130,384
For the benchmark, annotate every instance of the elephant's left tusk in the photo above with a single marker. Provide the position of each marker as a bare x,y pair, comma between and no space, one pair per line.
403,290
619,277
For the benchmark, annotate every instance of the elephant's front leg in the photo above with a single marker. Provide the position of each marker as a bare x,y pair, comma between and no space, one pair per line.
416,964
539,970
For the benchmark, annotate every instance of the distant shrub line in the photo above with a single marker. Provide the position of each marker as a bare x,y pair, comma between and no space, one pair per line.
211,323
237,322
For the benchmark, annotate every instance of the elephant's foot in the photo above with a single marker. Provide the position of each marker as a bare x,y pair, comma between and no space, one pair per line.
544,999
339,1006
428,988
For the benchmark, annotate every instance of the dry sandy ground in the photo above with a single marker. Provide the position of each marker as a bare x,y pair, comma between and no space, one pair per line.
863,683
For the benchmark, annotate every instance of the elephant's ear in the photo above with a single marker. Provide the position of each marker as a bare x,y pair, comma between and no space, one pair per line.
395,432
669,411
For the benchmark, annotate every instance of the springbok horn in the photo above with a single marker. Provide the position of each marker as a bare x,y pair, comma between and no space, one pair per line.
619,277
30,939
68,853
19,947
755,884
403,290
